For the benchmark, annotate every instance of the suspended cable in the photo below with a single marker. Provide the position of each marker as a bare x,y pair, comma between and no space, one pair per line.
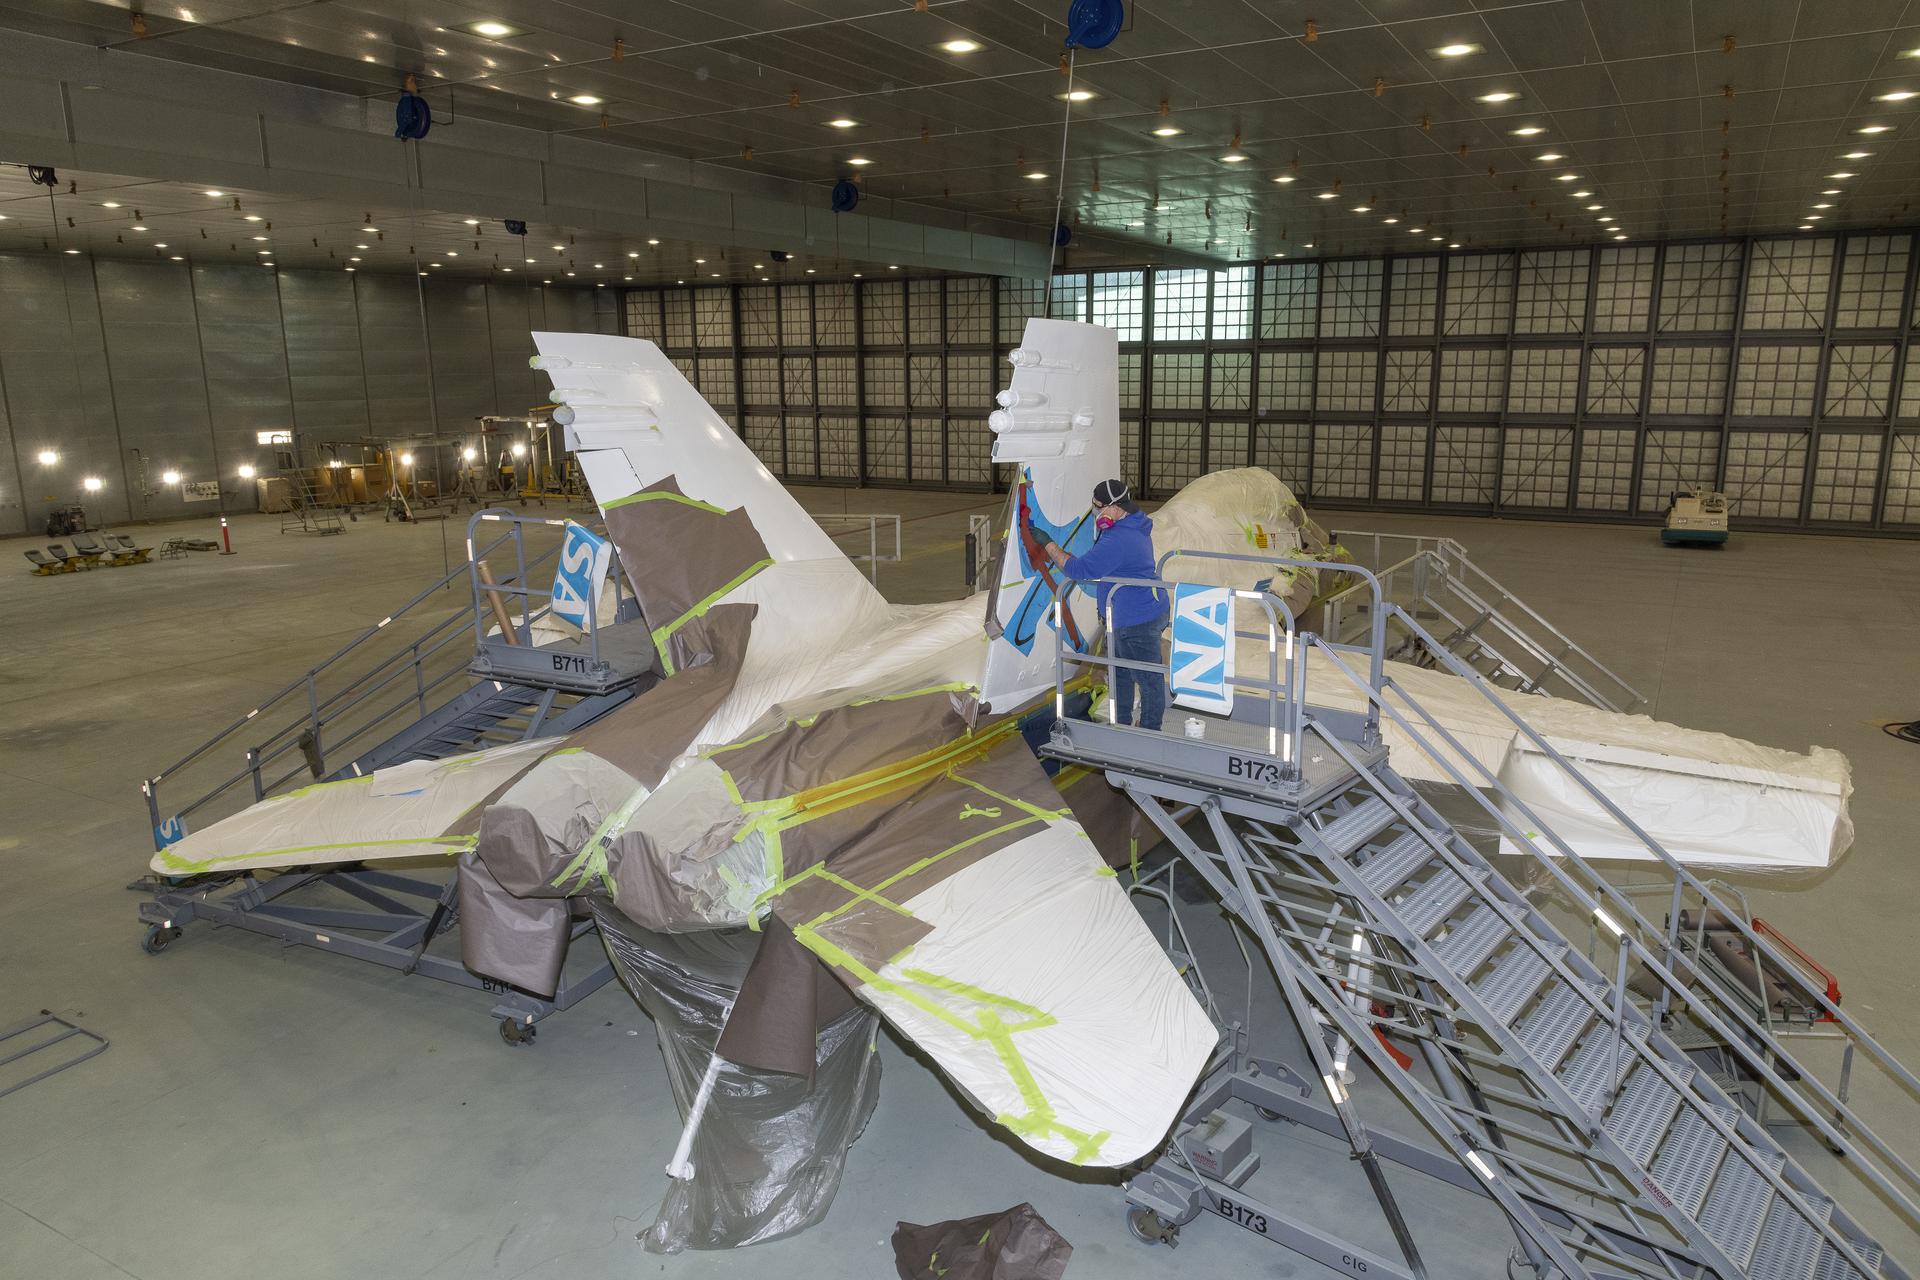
1059,187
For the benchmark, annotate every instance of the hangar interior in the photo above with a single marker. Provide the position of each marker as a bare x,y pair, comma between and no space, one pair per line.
1501,285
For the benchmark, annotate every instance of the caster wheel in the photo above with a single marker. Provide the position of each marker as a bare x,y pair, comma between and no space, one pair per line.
1148,1227
514,1031
157,938
1266,1114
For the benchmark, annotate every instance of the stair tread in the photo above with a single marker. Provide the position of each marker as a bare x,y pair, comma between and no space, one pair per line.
1357,825
1438,896
1512,981
1467,947
1390,867
1585,1074
1834,1267
1645,1108
1789,1242
1689,1156
1736,1204
1550,1030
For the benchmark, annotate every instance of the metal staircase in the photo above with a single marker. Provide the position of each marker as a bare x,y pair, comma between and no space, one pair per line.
409,687
1555,1084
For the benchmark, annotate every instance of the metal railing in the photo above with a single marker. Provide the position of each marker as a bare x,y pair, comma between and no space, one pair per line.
488,591
336,714
1480,616
1686,982
871,522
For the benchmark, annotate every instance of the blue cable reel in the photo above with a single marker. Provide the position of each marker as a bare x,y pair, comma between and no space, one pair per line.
1092,24
845,196
412,117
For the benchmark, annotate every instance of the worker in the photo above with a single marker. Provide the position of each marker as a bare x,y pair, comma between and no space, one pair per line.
1135,616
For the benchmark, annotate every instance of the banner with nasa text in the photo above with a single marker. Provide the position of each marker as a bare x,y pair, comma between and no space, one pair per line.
1202,659
581,572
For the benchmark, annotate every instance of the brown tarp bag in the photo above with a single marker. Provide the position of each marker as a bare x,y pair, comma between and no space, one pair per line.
1014,1244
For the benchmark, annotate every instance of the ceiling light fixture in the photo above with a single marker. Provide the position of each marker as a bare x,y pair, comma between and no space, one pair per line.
493,30
1831,191
1582,194
1232,157
1392,221
216,194
1167,131
1076,95
1856,155
1363,208
585,100
1456,50
1548,157
841,123
1621,236
109,204
1898,95
1595,208
1815,217
859,162
1839,177
1873,128
961,46
1327,195
371,230
1036,175
1567,177
139,227
1806,226
1824,204
1284,178
1527,131
1501,96
652,241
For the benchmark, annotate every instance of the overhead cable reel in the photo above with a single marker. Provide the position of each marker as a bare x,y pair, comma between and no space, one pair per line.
845,196
1092,24
412,117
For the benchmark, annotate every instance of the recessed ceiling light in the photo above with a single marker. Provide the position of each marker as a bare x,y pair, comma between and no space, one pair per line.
1076,95
1839,177
1527,131
1908,53
841,123
756,266
1167,131
493,30
109,204
1363,208
699,262
1567,177
892,267
1831,191
1547,157
1502,96
1457,50
179,258
1327,195
585,100
253,217
1824,204
1595,208
1436,237
859,162
265,253
1391,221
961,46
1232,157
1036,175
216,194
1856,155
1284,178
509,271
1581,195
529,260
139,227
371,230
259,237
1897,95
651,241
1414,231
1621,236
157,246
73,251
1606,217
1873,128
454,253
711,275
809,271
472,222
1815,217
1806,226
353,259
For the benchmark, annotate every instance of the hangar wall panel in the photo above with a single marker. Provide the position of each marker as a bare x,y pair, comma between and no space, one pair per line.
129,368
1590,381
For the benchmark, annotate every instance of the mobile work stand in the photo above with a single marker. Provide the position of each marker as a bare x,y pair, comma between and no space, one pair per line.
1544,1076
471,680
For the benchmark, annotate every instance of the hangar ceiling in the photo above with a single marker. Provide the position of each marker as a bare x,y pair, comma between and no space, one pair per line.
1357,121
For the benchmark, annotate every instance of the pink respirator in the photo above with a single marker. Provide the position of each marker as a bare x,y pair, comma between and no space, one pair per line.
1103,523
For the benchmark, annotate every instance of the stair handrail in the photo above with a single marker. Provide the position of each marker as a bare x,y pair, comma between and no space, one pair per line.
1660,964
308,684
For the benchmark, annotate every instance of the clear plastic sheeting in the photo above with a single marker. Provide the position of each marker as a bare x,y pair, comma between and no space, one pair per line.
771,1149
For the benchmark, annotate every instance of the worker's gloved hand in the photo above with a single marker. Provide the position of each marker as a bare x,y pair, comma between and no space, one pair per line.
1042,536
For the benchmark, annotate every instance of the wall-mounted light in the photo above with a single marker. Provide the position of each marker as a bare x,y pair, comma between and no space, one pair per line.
468,454
519,450
246,471
91,484
169,477
406,459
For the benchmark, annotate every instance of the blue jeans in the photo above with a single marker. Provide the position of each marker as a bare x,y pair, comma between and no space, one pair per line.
1139,643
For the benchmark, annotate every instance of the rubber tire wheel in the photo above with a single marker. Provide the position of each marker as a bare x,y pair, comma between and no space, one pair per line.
157,938
1265,1114
513,1031
1141,1224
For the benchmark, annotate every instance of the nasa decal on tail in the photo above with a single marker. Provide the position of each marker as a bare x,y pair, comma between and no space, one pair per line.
1059,425
1202,657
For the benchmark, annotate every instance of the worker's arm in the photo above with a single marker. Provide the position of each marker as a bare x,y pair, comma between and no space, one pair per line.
1096,562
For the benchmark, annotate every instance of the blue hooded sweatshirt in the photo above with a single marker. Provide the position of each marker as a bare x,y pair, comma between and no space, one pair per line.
1124,551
